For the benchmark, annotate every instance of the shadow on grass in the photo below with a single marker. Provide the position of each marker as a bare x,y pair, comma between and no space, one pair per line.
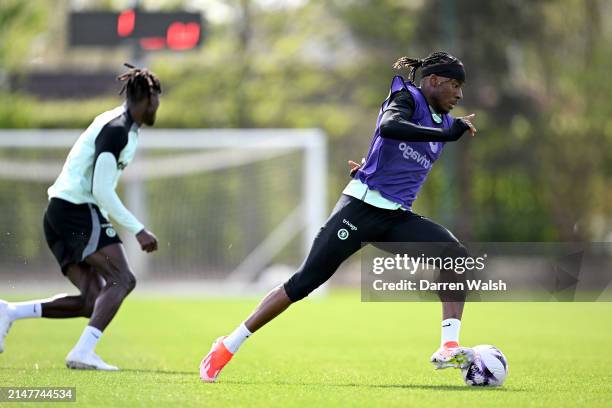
331,384
167,372
362,385
195,374
122,370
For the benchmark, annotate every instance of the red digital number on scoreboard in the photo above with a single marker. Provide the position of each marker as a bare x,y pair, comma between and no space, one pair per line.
126,22
183,36
178,36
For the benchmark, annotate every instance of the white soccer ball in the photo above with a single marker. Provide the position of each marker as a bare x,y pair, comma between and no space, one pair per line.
489,368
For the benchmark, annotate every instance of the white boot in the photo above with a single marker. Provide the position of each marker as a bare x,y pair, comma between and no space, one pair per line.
87,361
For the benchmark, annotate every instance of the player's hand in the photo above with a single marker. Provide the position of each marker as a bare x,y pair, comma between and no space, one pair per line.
147,241
468,121
354,167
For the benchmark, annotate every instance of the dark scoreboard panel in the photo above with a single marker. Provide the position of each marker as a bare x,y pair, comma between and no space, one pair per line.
150,30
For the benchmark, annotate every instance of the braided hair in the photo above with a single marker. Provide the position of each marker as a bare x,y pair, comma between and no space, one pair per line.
138,83
435,58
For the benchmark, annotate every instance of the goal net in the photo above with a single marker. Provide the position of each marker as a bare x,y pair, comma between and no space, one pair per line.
228,206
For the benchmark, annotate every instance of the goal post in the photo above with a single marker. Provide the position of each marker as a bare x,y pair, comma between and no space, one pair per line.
226,203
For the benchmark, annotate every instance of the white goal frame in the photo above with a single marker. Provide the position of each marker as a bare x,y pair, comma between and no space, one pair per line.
241,146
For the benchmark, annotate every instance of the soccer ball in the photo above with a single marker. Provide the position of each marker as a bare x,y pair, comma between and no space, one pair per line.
489,368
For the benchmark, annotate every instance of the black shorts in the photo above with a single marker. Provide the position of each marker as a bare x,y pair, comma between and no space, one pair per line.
75,231
353,223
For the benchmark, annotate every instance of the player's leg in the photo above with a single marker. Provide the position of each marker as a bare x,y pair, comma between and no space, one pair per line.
351,223
324,258
61,306
415,228
111,263
89,283
68,230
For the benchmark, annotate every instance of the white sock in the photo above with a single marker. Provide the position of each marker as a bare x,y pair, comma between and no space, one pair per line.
88,340
450,331
24,310
235,340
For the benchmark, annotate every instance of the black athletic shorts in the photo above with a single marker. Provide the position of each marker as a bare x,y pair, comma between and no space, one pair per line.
353,223
75,231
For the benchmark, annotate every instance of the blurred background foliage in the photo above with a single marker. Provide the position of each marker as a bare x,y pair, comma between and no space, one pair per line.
538,80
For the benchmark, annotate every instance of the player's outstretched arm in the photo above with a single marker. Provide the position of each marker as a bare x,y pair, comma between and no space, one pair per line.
103,190
394,126
395,123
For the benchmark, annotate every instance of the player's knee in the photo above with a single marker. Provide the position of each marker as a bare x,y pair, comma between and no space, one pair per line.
294,293
129,282
124,280
456,250
462,251
301,284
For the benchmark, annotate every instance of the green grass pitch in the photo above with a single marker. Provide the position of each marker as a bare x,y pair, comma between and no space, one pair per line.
328,351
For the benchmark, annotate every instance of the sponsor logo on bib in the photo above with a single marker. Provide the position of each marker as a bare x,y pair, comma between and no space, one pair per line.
409,153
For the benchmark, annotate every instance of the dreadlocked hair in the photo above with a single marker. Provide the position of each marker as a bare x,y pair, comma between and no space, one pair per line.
438,57
138,83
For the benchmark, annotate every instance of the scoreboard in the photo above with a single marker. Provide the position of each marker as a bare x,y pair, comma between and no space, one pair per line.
149,30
